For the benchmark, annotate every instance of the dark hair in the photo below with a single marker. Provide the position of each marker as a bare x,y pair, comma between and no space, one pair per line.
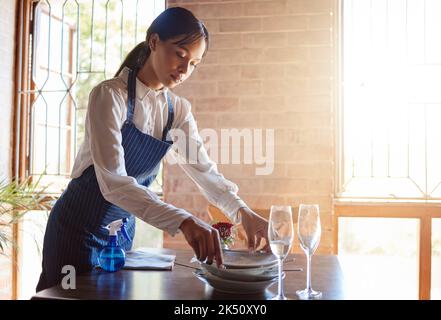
171,23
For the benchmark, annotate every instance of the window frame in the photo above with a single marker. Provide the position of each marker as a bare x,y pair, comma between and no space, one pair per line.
375,181
20,136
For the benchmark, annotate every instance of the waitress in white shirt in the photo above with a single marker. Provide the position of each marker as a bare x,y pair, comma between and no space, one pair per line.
127,134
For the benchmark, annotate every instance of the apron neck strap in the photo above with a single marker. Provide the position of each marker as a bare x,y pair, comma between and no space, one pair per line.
170,117
131,90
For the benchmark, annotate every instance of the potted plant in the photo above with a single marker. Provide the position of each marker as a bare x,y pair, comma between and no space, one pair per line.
16,199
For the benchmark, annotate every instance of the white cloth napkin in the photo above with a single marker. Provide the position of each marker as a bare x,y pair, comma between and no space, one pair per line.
142,259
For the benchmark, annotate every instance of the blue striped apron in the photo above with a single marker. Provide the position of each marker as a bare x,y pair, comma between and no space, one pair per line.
74,232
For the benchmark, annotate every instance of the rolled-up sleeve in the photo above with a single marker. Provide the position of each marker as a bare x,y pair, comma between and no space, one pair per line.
194,160
103,124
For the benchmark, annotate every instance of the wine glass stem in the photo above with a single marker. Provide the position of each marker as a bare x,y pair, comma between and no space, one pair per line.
308,271
281,294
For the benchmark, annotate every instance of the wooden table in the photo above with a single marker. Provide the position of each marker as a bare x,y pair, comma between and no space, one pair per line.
182,284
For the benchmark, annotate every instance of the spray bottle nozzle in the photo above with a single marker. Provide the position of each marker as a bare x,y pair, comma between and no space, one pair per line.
118,225
124,231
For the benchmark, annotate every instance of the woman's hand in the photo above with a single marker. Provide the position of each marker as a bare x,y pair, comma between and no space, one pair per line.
204,240
255,227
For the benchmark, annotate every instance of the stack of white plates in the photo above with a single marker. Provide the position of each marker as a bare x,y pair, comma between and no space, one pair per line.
244,272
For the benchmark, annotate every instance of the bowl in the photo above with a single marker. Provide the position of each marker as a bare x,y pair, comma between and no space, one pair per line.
233,286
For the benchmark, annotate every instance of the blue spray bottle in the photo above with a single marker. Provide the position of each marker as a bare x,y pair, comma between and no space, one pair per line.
112,257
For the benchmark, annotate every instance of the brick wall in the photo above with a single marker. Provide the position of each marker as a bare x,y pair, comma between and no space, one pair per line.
7,47
270,65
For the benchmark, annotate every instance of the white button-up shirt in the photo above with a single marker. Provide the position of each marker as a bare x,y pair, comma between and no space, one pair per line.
102,148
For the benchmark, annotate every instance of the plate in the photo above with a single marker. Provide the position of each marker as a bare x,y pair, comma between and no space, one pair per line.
235,287
244,274
245,259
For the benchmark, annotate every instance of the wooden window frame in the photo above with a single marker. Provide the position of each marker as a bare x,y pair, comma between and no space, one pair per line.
20,155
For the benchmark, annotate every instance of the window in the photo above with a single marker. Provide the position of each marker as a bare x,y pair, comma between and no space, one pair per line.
391,99
436,259
31,246
75,45
381,264
391,103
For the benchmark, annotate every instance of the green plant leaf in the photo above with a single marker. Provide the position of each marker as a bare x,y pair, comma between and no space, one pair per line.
17,199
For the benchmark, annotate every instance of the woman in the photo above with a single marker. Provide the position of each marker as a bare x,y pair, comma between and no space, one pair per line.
127,134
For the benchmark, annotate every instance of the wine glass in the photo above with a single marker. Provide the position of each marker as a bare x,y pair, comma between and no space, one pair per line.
280,236
309,232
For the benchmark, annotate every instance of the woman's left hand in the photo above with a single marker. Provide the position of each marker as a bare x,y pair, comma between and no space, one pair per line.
256,229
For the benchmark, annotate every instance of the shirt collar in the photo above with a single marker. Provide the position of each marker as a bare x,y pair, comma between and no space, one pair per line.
141,89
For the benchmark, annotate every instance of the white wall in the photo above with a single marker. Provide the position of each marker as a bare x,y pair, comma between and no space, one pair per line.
7,48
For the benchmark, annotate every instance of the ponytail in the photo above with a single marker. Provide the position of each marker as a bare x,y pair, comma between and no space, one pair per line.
136,58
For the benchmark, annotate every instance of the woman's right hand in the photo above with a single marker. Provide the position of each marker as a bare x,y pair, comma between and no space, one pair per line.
204,240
